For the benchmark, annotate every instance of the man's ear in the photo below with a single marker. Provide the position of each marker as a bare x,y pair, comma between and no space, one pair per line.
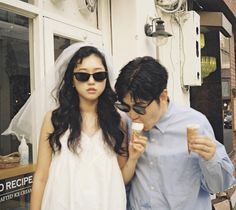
164,95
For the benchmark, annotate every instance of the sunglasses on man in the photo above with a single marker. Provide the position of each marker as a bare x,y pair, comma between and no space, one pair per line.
138,108
84,76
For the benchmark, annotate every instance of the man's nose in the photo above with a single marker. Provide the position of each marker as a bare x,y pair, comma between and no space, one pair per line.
132,114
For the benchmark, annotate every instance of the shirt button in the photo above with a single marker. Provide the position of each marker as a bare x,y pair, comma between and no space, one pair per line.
151,163
152,188
152,139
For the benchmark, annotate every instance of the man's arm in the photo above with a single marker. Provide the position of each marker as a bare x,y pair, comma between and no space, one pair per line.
217,168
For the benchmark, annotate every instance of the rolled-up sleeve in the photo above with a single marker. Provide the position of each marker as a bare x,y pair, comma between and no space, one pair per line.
217,173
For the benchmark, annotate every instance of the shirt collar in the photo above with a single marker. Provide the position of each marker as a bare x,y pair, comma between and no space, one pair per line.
164,122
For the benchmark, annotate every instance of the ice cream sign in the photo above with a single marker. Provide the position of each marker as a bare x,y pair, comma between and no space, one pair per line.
15,187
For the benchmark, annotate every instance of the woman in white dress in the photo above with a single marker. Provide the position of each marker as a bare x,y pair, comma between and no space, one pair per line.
81,147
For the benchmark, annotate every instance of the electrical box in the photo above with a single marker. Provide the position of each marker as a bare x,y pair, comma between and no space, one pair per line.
191,49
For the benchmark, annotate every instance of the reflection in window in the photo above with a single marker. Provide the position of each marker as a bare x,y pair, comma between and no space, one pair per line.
14,73
60,43
225,89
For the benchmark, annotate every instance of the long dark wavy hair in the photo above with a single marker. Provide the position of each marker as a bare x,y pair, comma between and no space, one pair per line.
68,115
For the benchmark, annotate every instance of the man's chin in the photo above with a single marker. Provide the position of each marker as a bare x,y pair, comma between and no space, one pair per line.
146,128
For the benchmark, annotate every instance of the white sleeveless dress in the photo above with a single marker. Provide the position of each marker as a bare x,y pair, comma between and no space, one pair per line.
91,180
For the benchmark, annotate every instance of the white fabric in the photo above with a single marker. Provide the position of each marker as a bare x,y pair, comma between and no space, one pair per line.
30,116
91,180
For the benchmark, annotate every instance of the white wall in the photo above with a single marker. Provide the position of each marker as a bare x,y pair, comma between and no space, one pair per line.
70,9
128,38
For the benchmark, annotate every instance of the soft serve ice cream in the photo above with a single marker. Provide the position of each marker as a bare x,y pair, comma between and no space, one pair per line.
136,129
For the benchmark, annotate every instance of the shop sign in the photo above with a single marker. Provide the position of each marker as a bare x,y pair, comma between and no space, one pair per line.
15,187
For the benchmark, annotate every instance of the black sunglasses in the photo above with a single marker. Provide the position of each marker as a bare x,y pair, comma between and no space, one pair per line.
84,76
136,107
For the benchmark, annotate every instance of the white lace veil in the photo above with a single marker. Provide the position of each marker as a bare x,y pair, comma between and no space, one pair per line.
29,118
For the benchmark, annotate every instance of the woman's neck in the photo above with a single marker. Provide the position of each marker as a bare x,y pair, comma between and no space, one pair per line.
90,123
88,110
88,106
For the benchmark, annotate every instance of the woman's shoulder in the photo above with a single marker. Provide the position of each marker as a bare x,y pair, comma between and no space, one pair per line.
47,122
48,115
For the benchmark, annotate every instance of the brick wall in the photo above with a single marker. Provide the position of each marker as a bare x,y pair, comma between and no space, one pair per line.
232,61
232,5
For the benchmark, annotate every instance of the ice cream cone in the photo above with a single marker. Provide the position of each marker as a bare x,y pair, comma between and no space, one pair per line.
136,129
192,130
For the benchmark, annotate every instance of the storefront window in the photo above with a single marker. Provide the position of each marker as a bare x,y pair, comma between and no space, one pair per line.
15,179
60,43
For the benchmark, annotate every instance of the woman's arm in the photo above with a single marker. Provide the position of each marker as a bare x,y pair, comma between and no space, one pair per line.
127,167
43,163
136,149
128,162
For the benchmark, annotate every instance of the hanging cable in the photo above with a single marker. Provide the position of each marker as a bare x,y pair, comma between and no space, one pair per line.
162,7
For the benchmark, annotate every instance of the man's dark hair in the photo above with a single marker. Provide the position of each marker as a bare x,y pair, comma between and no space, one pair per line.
144,78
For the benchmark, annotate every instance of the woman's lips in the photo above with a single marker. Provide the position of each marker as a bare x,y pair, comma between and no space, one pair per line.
91,90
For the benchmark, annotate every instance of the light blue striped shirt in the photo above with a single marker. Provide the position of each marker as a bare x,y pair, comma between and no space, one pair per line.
167,177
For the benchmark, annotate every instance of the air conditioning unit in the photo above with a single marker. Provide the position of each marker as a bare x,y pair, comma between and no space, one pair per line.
191,49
